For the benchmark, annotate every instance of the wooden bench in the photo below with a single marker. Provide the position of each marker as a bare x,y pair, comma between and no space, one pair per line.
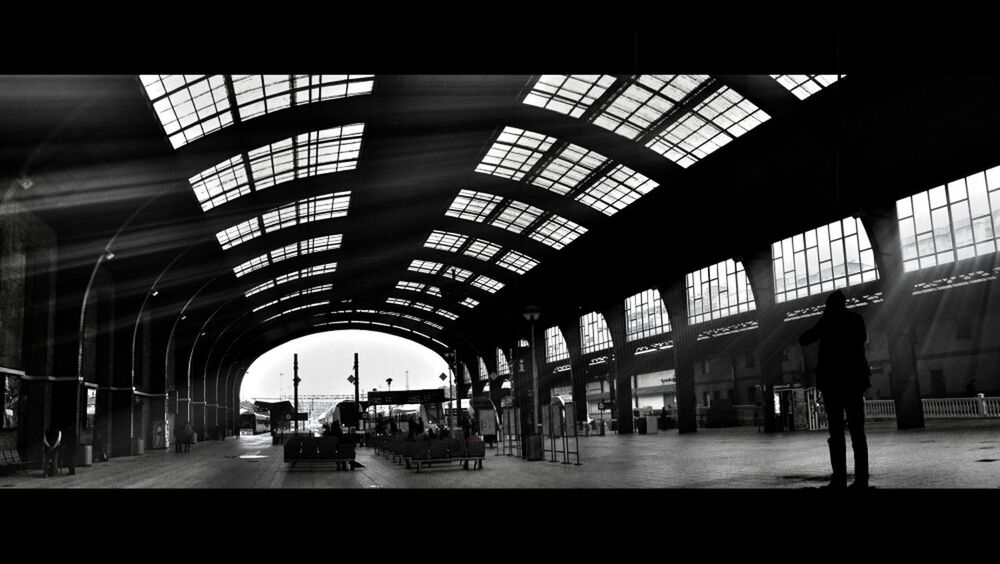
10,459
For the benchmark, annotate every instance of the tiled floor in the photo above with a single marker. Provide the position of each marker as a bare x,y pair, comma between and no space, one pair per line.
946,454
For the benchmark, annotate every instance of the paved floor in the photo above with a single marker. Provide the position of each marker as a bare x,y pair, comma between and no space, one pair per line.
946,454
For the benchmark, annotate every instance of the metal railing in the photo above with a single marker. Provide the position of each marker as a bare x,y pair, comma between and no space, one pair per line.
880,409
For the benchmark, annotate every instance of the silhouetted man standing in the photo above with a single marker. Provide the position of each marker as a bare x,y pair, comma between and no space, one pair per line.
843,375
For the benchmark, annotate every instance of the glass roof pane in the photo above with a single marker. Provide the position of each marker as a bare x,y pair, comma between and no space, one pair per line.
805,85
446,241
411,286
221,183
188,106
645,101
316,208
557,232
456,273
425,267
257,95
292,276
570,95
318,244
487,284
514,153
232,236
722,117
516,216
446,314
474,206
517,262
482,249
434,325
568,169
470,303
313,290
309,154
616,190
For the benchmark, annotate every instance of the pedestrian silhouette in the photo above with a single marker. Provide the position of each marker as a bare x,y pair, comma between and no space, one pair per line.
843,375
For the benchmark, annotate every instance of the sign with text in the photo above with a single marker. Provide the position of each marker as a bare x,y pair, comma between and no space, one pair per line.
406,397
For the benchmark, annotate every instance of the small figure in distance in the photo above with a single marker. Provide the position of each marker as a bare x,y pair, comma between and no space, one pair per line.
843,375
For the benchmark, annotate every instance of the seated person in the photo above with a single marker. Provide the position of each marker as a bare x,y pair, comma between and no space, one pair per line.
52,452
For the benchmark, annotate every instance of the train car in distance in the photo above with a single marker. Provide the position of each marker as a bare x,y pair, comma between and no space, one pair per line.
253,423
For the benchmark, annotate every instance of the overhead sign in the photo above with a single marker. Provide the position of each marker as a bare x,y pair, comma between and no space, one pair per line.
350,379
301,417
406,397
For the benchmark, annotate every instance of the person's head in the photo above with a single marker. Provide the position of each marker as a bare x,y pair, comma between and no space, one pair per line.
836,301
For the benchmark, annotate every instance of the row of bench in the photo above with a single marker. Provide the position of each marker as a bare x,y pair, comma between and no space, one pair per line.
312,451
11,460
417,454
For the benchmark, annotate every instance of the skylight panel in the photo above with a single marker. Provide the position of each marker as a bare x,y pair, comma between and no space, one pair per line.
568,169
645,101
456,273
569,95
232,236
267,305
251,265
221,183
422,306
616,190
318,244
309,154
805,85
434,291
411,286
488,284
313,290
557,232
514,153
482,250
722,117
188,106
446,314
474,206
258,95
517,262
412,318
434,325
292,276
516,216
425,267
470,303
446,241
397,301
316,208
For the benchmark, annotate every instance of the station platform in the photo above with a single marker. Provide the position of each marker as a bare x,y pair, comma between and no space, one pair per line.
945,454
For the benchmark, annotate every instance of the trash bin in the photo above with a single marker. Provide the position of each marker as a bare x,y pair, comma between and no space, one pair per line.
138,446
84,455
640,425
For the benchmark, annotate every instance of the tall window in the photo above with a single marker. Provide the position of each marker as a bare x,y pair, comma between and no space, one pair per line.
503,368
822,259
594,333
718,291
484,375
949,223
645,315
555,345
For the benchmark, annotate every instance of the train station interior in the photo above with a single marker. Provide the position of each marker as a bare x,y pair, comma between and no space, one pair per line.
617,261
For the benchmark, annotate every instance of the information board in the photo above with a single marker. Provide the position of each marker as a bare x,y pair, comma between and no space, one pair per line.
402,397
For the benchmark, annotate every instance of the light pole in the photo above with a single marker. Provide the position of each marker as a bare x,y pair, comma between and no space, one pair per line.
295,383
532,314
451,389
388,382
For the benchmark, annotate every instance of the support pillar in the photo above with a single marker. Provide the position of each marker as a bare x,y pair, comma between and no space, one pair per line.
623,366
770,344
897,314
674,295
577,368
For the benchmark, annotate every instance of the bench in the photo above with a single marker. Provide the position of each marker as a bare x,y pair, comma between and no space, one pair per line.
447,451
10,459
318,452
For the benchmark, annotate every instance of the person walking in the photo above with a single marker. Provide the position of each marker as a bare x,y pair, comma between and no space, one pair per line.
843,375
